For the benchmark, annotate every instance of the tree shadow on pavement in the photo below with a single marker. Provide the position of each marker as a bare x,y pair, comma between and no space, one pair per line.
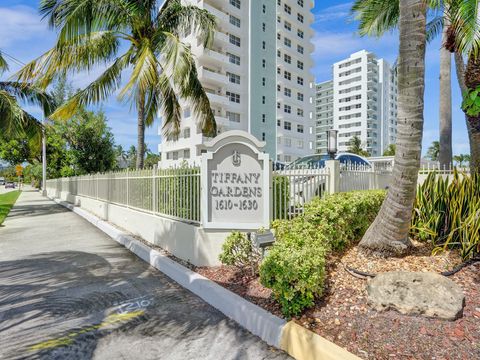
110,304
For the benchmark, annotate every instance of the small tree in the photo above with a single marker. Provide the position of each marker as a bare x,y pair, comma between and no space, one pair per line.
462,159
390,150
355,147
433,151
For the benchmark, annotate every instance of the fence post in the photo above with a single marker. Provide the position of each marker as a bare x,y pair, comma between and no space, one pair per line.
374,179
154,188
333,167
128,193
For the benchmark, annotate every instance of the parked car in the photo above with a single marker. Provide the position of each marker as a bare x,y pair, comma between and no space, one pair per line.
9,185
307,178
2,181
278,165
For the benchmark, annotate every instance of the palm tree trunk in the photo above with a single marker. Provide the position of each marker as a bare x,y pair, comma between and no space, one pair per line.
141,131
474,143
445,155
472,81
388,234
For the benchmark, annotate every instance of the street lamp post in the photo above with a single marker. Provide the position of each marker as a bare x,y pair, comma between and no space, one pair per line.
332,143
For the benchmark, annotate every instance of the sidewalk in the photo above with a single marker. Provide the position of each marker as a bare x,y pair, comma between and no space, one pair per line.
69,291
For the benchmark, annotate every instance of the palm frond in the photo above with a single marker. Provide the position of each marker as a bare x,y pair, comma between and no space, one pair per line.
80,55
169,106
29,94
434,28
465,25
3,64
376,17
96,91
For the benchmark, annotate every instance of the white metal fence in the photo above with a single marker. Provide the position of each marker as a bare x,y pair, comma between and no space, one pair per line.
173,192
363,177
293,188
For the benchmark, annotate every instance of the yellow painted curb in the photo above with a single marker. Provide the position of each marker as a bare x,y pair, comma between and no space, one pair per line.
303,344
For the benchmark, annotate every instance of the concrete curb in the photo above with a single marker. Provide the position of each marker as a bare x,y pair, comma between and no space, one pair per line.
250,316
298,342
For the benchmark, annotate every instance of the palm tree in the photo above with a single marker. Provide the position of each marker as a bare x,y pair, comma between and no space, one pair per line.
433,151
378,16
388,234
390,150
14,121
462,159
464,38
163,70
355,147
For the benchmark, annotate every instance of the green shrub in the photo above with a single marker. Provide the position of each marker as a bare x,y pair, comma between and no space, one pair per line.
294,267
447,213
238,250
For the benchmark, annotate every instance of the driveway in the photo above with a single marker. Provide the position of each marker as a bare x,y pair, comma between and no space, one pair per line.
67,291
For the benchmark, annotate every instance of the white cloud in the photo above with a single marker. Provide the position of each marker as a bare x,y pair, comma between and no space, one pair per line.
333,13
20,23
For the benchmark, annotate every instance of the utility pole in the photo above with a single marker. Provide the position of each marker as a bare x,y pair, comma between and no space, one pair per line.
44,159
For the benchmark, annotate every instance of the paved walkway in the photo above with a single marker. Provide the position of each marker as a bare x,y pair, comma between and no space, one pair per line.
67,291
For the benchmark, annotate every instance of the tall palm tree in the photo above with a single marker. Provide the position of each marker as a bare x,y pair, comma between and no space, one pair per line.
378,16
388,234
464,17
14,121
91,32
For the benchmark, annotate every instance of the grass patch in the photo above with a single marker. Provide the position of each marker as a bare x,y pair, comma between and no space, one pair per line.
6,202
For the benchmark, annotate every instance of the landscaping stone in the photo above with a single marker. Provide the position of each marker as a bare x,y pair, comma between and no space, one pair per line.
416,293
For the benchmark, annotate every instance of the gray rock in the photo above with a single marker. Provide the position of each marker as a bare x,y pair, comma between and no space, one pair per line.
416,293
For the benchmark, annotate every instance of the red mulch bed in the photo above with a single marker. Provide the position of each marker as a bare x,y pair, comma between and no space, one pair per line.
343,316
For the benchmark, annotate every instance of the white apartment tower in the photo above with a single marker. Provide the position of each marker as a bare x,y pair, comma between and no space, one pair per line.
257,75
323,114
364,103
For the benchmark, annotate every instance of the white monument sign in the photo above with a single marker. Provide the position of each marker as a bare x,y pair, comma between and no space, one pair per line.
235,183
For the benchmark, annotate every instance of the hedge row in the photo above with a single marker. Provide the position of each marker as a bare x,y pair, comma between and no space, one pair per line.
294,267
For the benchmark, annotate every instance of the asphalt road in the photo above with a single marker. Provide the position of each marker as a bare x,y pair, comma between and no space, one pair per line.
67,291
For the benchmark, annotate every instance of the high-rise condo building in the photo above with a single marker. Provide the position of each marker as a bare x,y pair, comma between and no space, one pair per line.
257,75
364,104
323,114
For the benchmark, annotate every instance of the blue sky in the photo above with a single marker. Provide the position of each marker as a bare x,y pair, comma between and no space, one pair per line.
24,36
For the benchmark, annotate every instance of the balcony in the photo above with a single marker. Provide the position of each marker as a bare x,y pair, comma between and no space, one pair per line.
218,99
211,77
221,38
220,15
213,56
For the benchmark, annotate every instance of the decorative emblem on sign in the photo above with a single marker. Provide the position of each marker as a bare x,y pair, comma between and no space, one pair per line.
236,158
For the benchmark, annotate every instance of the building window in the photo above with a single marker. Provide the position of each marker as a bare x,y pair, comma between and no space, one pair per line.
287,26
278,105
299,96
300,112
288,142
300,33
263,81
287,125
234,59
300,129
287,58
300,3
279,71
300,144
263,136
264,63
279,37
233,97
264,9
186,113
234,40
287,92
263,99
234,21
300,65
299,80
279,53
186,133
279,87
287,75
287,42
264,45
175,155
186,154
300,17
288,9
235,3
233,78
233,117
264,117
279,123
264,27
300,49
287,109
287,158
